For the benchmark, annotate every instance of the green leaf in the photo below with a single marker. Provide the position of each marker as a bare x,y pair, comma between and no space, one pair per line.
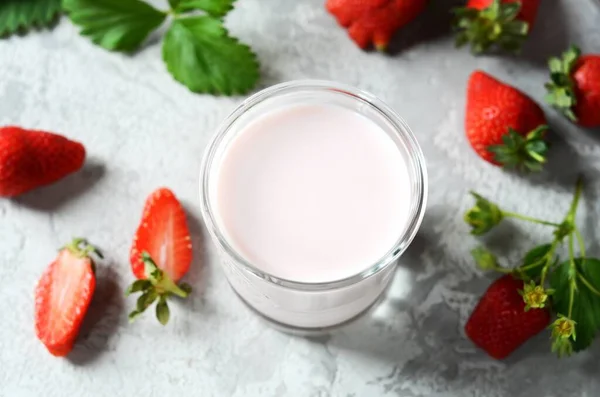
22,15
200,54
146,299
510,11
186,288
555,65
117,25
162,311
133,315
215,8
533,262
561,91
138,285
173,4
586,304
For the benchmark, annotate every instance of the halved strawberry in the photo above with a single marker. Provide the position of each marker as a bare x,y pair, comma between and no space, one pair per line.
62,296
161,254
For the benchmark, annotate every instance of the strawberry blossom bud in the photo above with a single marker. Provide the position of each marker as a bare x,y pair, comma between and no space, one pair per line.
483,216
563,331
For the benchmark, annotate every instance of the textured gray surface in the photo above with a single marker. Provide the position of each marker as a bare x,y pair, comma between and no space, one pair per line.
143,130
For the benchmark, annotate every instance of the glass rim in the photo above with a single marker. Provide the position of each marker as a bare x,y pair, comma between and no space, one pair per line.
416,163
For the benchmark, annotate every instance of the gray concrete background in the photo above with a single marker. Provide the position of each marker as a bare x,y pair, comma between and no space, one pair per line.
143,130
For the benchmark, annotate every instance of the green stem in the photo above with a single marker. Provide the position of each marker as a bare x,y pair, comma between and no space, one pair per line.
572,282
534,264
571,297
167,285
573,210
543,276
548,260
528,219
588,284
581,243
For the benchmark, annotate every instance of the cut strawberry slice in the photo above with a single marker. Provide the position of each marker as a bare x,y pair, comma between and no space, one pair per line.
161,253
63,295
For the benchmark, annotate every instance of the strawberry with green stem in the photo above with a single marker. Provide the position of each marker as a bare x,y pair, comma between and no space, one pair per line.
574,86
504,23
161,254
573,294
503,125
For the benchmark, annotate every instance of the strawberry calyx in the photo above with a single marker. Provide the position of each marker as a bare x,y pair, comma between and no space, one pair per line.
483,216
157,286
561,88
81,248
522,152
497,24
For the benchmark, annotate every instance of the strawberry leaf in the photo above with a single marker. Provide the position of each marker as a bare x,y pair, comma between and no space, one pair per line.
22,15
162,311
146,299
215,8
533,262
586,304
138,285
186,288
200,54
117,25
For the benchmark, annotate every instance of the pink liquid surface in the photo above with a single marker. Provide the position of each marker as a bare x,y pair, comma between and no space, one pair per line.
313,193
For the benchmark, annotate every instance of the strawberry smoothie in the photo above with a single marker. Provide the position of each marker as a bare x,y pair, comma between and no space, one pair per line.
311,190
313,193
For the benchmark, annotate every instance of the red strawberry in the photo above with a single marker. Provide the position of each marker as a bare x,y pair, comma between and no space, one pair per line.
374,21
161,254
62,297
505,23
575,87
503,125
499,324
30,159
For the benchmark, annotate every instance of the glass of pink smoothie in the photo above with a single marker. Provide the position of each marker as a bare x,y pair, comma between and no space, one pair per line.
311,190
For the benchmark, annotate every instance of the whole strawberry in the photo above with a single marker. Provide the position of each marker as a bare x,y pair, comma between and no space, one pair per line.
30,159
161,254
374,21
503,125
63,295
500,324
574,88
505,23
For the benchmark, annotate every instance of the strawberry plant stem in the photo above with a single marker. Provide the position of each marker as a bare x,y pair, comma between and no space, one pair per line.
581,243
528,219
575,202
572,274
547,260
